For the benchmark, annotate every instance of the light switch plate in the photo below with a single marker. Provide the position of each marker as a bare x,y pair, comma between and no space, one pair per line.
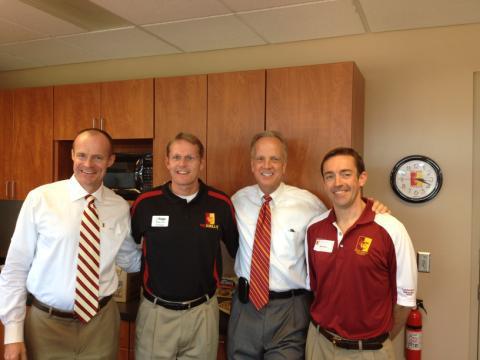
423,261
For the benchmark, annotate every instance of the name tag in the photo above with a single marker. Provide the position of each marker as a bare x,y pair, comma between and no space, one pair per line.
160,220
323,245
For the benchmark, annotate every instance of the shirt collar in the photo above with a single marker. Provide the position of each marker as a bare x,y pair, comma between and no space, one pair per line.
77,191
367,216
275,195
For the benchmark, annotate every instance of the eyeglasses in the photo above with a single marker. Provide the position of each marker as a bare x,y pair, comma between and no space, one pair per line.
187,158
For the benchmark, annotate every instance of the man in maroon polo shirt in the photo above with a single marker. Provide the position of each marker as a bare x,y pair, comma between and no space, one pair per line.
362,269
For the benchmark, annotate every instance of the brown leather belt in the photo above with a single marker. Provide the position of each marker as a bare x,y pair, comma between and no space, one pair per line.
177,305
65,314
374,343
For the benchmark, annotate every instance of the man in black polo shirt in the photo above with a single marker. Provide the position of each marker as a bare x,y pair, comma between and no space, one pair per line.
181,224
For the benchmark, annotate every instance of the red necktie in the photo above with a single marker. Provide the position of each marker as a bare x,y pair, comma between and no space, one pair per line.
260,267
88,263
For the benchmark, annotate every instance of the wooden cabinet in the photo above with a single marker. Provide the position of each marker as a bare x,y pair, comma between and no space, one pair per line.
26,118
317,108
127,340
180,105
236,111
6,124
122,108
32,152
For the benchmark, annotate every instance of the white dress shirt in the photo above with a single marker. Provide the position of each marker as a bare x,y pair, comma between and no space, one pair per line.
292,209
42,258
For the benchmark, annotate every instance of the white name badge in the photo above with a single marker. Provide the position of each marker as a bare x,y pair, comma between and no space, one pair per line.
323,245
160,220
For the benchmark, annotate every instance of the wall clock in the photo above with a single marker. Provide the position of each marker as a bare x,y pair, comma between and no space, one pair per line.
416,178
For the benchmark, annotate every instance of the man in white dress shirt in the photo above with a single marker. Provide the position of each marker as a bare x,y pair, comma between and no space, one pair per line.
42,260
277,330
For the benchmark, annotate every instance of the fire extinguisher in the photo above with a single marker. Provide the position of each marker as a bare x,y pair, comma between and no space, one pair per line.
413,333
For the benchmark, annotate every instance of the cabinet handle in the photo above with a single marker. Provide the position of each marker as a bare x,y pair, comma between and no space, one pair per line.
13,190
93,123
6,189
101,123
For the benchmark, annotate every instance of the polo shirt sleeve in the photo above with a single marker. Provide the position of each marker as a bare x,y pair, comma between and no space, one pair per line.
138,220
406,276
230,231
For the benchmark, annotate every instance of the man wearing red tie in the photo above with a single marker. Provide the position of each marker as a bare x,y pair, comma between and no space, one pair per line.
270,311
69,235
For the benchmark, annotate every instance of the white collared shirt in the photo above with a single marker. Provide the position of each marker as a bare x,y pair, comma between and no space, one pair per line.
42,258
292,209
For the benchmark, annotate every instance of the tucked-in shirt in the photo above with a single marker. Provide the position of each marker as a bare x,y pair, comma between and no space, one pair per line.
182,258
359,275
42,258
292,209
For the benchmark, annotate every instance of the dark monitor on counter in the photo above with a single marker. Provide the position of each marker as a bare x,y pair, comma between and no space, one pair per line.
9,210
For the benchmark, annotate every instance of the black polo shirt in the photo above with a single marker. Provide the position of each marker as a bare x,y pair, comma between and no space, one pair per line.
181,248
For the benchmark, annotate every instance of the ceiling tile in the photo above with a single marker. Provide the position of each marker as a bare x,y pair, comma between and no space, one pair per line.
120,43
211,33
35,20
10,32
158,11
46,52
308,21
386,15
247,5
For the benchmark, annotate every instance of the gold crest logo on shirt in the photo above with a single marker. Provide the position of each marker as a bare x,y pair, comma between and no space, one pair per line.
363,245
209,221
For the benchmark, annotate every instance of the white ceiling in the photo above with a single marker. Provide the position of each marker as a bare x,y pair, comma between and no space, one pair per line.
30,37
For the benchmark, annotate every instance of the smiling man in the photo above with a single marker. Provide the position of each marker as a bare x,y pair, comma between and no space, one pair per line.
71,274
362,269
180,225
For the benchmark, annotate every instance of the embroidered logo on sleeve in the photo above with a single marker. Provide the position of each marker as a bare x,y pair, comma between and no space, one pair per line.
363,245
209,221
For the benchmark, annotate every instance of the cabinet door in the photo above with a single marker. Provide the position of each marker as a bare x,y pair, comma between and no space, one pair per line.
32,151
76,107
236,111
6,124
316,108
180,106
127,109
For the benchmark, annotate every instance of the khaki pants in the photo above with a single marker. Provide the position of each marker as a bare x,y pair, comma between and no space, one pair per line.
177,334
319,348
49,337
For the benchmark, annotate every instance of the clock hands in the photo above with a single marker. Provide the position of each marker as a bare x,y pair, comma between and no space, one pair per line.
422,180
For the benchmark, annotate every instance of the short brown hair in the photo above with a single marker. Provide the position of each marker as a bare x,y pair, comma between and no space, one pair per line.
269,134
192,139
97,131
359,164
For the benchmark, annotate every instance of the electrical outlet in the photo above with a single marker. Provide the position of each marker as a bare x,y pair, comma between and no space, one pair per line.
423,261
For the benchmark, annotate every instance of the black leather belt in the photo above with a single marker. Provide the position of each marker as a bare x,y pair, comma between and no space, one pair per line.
375,343
65,314
272,295
177,305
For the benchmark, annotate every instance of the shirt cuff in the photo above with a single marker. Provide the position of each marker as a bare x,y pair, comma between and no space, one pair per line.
13,333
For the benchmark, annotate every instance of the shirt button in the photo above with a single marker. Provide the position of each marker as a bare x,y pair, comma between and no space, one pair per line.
341,245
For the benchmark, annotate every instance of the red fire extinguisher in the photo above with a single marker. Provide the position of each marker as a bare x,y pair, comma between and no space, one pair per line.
413,333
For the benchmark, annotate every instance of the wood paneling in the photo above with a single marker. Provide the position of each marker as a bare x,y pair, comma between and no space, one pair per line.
127,109
236,111
180,105
32,149
6,124
76,107
317,108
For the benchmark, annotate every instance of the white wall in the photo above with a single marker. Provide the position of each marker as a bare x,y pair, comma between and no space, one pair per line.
419,99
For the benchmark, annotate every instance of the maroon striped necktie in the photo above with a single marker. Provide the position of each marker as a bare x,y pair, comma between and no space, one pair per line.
260,267
88,263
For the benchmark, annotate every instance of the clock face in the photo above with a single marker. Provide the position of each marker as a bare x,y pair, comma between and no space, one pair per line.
416,178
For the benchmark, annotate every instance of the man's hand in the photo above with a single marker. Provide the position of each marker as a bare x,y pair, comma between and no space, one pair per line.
379,208
15,351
